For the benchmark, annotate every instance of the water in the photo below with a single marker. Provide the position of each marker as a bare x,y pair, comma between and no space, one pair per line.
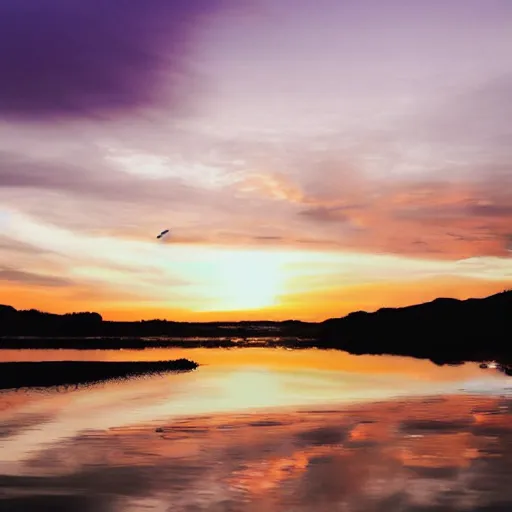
261,429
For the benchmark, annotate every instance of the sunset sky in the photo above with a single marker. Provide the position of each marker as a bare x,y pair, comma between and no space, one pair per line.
311,158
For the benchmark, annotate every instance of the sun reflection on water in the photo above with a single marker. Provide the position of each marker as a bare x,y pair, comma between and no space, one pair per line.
263,429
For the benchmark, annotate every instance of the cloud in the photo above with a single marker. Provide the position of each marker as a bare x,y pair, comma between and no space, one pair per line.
275,186
86,194
86,191
81,59
429,217
330,197
490,210
7,244
326,214
92,178
30,278
268,237
475,117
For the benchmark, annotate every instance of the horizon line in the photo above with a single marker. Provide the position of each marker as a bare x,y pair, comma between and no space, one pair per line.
506,290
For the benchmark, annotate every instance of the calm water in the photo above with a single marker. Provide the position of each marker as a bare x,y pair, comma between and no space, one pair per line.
261,429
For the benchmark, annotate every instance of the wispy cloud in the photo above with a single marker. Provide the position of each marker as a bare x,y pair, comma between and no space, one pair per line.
326,214
458,218
30,278
92,178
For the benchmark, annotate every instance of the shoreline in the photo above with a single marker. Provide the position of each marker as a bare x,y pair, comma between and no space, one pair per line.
45,374
438,357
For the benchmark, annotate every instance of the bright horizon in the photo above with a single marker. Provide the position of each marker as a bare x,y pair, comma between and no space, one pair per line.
309,159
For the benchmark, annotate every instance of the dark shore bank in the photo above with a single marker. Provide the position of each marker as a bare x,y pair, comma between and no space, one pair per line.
63,373
445,331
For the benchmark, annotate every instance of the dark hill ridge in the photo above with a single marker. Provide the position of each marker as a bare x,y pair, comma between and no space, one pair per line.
444,330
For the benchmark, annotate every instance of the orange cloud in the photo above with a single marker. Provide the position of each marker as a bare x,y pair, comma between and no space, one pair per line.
435,220
271,185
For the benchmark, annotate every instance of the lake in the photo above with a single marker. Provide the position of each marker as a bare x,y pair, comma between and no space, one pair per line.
261,429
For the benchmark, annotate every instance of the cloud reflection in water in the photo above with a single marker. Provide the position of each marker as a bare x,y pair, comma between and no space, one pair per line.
391,455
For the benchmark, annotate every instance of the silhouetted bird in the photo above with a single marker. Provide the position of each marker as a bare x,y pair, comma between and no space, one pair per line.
163,233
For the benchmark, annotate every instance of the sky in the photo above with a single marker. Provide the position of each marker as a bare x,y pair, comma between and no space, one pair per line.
309,158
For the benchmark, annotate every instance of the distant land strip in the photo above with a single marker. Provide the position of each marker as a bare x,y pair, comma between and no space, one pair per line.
73,373
445,330
141,343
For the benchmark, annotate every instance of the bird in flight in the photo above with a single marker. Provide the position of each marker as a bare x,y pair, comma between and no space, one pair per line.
164,232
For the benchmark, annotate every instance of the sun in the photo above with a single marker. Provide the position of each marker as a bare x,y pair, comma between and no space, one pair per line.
246,280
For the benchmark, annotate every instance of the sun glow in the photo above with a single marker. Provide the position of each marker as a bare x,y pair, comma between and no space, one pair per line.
134,279
246,280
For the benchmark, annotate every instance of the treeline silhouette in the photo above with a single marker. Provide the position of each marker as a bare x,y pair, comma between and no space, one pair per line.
32,322
444,330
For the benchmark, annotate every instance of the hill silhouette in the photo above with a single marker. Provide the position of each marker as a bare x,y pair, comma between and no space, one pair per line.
444,330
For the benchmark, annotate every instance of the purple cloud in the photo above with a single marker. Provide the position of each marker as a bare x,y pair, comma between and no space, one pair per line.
69,58
474,118
30,278
96,181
